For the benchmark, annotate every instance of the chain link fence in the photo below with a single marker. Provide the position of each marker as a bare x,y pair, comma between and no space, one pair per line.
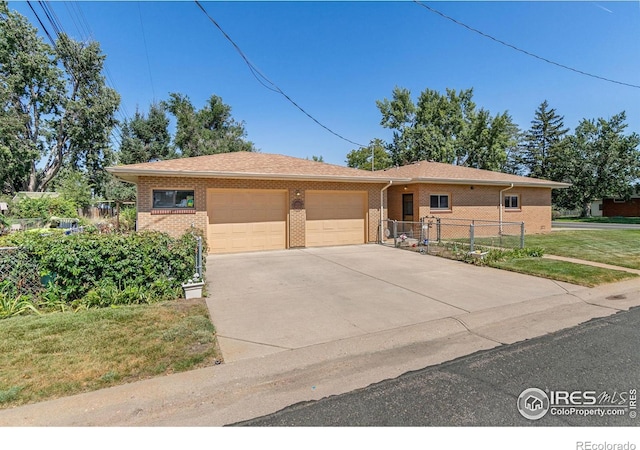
19,273
431,234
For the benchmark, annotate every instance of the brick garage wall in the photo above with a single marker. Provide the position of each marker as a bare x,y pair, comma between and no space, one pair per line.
177,224
630,208
477,202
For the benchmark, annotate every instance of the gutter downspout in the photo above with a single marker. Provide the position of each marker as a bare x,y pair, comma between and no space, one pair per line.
503,190
382,208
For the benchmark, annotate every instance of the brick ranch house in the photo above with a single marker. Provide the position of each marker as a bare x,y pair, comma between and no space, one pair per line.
249,201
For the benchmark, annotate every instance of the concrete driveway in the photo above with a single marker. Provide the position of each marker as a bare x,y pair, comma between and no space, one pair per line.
263,303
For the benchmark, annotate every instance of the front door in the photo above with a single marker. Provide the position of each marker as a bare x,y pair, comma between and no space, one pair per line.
407,207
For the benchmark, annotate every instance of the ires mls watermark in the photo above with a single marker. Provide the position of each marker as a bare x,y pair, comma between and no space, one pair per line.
534,403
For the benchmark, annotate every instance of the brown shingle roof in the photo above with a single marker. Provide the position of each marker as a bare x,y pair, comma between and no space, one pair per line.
278,167
434,172
248,165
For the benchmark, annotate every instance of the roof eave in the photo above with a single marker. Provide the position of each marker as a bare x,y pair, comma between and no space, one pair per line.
133,175
540,184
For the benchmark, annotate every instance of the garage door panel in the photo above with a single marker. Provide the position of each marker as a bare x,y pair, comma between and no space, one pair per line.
335,218
241,221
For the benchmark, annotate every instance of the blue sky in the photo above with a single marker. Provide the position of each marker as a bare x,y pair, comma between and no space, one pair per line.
335,59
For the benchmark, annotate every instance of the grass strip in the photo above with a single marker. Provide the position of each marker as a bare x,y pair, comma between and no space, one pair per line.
569,272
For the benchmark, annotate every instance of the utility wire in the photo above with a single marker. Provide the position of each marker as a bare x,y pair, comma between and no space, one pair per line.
269,84
58,29
46,31
506,44
146,51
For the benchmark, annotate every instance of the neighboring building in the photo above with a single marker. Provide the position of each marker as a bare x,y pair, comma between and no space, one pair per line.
3,208
596,208
248,201
617,207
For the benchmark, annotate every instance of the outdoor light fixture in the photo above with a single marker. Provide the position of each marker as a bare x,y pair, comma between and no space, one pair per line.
297,192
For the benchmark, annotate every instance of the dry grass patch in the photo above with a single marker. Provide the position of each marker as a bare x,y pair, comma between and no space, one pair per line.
60,354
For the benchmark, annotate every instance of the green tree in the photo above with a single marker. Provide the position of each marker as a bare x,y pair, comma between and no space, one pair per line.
542,143
146,139
600,160
446,128
56,105
119,191
361,158
74,186
489,140
44,208
208,131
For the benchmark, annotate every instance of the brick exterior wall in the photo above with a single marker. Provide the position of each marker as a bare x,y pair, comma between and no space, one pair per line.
476,202
177,223
629,208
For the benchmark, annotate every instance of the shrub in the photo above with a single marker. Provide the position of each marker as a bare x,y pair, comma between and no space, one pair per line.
124,268
44,208
12,304
128,217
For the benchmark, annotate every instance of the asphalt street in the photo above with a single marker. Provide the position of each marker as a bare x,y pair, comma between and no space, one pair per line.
599,358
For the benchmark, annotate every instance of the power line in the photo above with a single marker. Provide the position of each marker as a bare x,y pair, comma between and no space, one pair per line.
46,31
146,51
53,19
270,84
518,49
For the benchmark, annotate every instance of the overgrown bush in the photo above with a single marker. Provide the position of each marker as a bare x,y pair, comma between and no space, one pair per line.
110,269
44,208
128,217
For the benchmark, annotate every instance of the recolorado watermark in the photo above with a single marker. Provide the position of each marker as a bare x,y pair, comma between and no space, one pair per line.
534,404
588,445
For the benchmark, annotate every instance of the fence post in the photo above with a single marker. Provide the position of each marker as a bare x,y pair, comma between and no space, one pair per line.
395,233
438,235
471,237
522,235
199,257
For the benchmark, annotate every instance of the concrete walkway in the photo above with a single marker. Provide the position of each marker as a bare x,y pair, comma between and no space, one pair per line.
300,325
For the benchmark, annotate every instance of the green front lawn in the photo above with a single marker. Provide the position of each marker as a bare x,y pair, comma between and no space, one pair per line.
581,274
61,354
615,247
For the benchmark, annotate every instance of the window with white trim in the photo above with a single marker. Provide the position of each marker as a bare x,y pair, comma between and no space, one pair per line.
173,199
439,202
511,202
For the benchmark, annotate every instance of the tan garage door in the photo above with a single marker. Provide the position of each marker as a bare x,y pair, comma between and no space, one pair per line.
335,218
246,220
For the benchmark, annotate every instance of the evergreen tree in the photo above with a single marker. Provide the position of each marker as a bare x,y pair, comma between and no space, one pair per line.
146,139
542,143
